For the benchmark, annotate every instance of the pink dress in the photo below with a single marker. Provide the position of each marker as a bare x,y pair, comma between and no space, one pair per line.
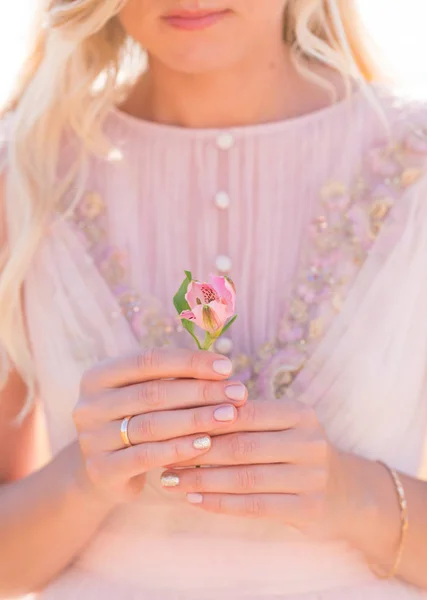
322,223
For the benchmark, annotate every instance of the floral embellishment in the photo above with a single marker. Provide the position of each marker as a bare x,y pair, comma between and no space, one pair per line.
112,265
410,176
383,161
92,206
279,371
336,196
151,327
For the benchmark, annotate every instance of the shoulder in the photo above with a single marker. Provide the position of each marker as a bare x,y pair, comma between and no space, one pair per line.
379,171
392,114
401,104
389,130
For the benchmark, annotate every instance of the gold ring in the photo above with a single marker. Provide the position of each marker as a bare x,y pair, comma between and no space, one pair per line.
124,432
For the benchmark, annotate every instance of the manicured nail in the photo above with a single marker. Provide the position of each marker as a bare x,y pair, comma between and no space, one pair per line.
236,392
225,413
195,498
223,366
202,443
169,480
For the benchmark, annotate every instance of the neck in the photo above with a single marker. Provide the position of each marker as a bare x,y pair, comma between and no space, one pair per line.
263,88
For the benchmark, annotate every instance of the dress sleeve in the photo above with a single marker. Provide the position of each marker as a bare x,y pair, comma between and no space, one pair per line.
6,124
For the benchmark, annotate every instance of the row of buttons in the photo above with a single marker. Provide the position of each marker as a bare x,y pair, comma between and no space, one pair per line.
223,263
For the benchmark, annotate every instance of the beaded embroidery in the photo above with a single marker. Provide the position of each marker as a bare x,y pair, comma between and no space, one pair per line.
341,237
151,327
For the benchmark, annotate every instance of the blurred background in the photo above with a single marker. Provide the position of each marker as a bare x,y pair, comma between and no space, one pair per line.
398,27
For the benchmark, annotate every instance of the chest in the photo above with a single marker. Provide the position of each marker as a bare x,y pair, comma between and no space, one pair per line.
244,210
291,244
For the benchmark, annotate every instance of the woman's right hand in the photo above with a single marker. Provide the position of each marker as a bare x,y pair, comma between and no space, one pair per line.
175,398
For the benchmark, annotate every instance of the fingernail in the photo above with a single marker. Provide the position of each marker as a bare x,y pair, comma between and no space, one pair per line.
223,366
225,413
195,498
169,480
202,443
236,392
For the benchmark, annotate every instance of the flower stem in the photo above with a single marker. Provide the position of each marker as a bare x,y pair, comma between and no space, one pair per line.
209,341
206,343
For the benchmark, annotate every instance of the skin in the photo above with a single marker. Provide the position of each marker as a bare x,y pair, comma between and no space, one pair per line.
69,498
159,434
211,50
273,459
236,73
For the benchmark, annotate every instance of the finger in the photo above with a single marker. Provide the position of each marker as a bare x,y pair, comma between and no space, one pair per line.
264,448
252,479
269,416
162,395
280,506
158,426
157,363
118,467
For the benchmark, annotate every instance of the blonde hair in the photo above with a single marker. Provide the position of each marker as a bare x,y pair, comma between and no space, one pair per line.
84,44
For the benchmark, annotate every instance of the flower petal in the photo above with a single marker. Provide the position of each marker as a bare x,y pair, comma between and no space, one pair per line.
188,314
200,293
224,287
209,317
211,322
221,310
197,313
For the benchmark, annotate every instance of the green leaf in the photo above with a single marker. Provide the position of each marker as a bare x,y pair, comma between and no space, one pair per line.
189,326
179,300
229,324
181,304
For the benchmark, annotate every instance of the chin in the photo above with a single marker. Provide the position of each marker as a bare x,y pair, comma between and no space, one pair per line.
197,63
201,55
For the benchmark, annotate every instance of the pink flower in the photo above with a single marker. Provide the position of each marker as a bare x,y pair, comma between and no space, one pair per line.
211,304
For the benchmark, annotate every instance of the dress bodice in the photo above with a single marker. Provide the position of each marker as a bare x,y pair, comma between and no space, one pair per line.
319,221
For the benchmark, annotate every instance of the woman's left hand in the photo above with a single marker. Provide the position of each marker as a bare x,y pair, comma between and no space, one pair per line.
276,463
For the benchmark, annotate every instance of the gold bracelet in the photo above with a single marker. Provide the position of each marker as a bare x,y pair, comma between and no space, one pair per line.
404,524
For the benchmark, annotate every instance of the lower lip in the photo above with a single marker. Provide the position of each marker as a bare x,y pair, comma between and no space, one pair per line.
196,23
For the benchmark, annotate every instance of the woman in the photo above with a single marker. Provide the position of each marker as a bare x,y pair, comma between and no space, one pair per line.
239,150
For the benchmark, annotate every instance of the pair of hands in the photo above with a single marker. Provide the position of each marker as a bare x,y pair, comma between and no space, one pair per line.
272,459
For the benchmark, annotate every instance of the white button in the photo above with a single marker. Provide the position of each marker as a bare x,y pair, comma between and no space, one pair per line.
223,264
222,200
225,140
224,345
